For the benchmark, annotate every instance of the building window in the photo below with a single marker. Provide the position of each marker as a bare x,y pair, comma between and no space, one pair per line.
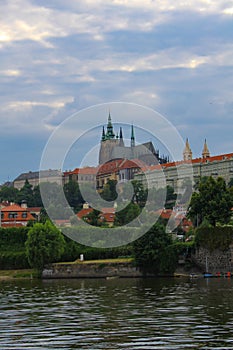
12,215
2,215
24,215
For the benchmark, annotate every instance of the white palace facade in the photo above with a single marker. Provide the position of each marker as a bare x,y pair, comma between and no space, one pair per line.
175,173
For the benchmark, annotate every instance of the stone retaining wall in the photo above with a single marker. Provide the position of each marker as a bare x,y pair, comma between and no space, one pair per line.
92,270
217,260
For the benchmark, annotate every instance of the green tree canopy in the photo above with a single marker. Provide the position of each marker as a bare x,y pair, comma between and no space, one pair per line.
212,202
73,194
126,215
153,251
109,192
45,244
26,194
8,193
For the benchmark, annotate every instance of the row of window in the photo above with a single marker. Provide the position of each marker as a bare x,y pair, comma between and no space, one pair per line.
14,215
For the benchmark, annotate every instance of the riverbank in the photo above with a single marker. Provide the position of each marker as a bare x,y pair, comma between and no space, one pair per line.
18,274
103,268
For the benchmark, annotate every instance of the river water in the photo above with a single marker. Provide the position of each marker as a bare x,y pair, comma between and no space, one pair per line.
117,314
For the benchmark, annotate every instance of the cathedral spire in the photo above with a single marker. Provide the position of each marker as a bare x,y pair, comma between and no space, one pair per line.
187,153
132,136
103,135
205,152
110,134
121,143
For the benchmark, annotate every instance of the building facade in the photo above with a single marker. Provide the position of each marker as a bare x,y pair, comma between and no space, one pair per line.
35,177
14,215
175,173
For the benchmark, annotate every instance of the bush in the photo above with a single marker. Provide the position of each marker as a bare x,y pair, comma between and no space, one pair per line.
12,248
154,253
73,250
13,260
213,238
45,244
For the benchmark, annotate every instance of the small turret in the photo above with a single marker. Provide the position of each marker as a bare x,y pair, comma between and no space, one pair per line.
187,153
205,152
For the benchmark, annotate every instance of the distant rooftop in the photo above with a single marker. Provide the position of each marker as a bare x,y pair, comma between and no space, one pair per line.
37,174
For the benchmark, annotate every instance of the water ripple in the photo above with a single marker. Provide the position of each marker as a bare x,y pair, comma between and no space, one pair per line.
124,314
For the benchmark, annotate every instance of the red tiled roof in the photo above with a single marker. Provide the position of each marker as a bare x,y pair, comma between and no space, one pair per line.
84,171
106,214
108,217
108,210
13,207
218,158
133,163
109,167
12,224
83,212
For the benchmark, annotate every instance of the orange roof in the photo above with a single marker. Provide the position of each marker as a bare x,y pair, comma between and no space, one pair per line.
84,171
133,163
84,212
12,224
218,158
107,214
108,217
110,167
108,210
13,207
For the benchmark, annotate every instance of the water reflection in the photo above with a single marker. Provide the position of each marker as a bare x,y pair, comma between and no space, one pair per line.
116,314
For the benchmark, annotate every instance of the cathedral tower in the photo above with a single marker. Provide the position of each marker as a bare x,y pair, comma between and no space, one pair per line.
109,142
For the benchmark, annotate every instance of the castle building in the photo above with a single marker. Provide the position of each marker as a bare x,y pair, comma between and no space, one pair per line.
35,177
113,147
207,165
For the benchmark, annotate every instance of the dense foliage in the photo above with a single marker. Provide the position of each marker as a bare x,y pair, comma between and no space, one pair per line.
212,201
12,248
154,252
45,244
214,237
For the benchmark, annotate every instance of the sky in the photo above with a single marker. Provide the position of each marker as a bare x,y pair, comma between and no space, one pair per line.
59,57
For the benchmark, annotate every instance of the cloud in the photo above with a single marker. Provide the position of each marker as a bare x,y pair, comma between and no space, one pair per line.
24,20
59,57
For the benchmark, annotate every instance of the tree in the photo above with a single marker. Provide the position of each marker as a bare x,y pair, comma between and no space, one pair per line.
37,196
73,194
212,202
230,183
126,215
93,218
171,198
45,244
140,194
153,253
109,192
26,194
8,193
